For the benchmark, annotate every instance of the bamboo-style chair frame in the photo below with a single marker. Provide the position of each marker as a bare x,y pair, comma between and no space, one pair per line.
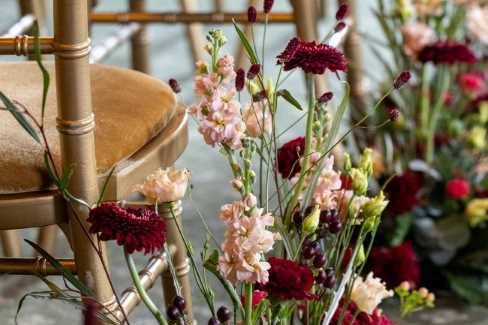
75,122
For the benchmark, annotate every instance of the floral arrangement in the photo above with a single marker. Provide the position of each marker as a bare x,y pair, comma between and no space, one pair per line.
299,234
436,179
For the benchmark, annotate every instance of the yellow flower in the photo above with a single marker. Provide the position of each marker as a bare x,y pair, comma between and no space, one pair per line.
477,211
477,137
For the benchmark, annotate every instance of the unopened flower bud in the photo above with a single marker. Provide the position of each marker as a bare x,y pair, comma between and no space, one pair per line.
342,11
375,206
405,285
175,86
311,222
366,162
253,71
251,14
347,163
393,113
237,183
259,96
359,181
268,5
423,292
240,79
202,67
339,26
325,97
430,297
402,79
360,256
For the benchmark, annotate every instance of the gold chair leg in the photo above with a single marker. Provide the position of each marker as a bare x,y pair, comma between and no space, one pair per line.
194,32
241,58
306,26
140,41
47,238
75,124
180,258
11,243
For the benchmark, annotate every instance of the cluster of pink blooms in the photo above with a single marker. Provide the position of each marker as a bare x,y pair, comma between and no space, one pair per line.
246,241
218,112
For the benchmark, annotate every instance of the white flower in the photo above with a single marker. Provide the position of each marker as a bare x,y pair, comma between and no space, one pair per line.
368,293
477,22
165,185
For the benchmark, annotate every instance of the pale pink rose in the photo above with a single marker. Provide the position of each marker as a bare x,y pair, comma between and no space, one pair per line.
258,120
477,22
165,185
225,66
368,293
415,37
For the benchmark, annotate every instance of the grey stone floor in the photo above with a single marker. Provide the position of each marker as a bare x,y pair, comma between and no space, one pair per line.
171,58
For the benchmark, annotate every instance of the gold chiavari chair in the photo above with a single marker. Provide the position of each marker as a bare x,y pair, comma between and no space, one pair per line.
87,115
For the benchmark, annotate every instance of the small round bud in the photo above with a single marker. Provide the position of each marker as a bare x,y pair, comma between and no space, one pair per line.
240,79
335,227
175,86
307,252
402,79
251,14
342,11
319,260
320,277
213,321
173,313
224,314
423,292
267,6
330,281
430,297
405,285
180,303
339,26
325,97
393,113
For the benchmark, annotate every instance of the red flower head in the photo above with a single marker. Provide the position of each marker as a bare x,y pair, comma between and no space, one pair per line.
257,297
447,52
402,192
376,318
288,157
471,82
288,280
396,264
312,57
135,229
457,188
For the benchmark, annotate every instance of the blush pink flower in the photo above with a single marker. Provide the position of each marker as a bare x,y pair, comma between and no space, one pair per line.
477,22
225,66
258,120
415,37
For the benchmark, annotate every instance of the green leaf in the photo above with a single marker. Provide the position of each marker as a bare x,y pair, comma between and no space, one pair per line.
245,42
403,224
471,288
336,122
50,169
84,290
45,74
64,181
289,98
19,117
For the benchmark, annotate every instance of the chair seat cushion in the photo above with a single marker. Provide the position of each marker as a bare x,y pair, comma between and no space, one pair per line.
130,109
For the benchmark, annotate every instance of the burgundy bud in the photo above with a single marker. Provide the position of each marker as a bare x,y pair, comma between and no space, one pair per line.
173,83
402,79
223,314
393,113
240,79
342,11
268,4
251,14
259,96
326,97
253,71
340,26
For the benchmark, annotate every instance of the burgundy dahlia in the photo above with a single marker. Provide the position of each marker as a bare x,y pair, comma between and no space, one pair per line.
135,229
447,52
288,280
251,14
289,157
402,192
396,264
353,317
312,57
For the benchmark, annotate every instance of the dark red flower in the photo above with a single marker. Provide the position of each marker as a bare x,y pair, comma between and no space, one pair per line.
402,192
339,26
396,264
288,280
135,229
342,11
175,86
346,182
457,188
251,14
253,71
402,79
257,297
267,6
325,97
288,157
240,79
312,57
471,82
447,52
376,318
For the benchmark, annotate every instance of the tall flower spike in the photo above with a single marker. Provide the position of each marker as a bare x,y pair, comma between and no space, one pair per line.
135,229
251,14
268,5
253,71
240,79
312,57
402,79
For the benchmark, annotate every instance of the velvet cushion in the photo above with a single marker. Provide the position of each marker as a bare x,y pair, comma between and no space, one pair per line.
130,109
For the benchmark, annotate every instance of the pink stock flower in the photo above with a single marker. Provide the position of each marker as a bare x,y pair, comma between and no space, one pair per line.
258,120
225,66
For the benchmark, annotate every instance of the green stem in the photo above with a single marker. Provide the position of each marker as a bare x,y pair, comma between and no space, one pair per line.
141,291
306,154
424,103
248,307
